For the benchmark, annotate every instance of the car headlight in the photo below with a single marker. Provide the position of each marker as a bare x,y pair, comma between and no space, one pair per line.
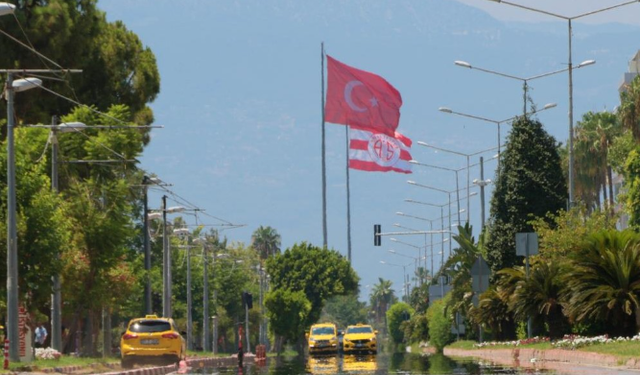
311,339
373,339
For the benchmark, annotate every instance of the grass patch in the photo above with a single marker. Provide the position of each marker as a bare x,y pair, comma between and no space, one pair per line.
64,361
469,345
624,350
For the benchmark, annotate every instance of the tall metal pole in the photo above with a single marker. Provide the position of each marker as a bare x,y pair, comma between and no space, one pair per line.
570,121
56,298
348,201
246,319
324,164
12,237
480,339
481,194
205,300
147,251
189,301
431,236
468,190
458,196
166,264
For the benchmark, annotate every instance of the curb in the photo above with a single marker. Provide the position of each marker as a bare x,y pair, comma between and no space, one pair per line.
546,358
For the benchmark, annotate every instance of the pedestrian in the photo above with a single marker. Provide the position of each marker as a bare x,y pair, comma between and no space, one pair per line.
41,335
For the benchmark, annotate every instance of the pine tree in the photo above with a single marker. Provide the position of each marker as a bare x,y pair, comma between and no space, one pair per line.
530,185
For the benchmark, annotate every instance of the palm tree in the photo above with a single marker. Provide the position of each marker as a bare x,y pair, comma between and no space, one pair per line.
493,312
382,296
595,134
458,269
629,109
266,241
603,281
536,296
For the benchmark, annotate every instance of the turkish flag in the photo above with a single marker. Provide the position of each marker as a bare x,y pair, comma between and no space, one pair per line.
362,99
374,151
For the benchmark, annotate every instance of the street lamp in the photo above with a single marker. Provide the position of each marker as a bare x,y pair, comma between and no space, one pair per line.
205,294
166,257
497,122
12,87
467,156
404,276
184,233
570,64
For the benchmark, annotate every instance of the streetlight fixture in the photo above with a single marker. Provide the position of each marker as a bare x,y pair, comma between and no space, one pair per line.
11,88
525,80
570,71
404,276
497,122
467,156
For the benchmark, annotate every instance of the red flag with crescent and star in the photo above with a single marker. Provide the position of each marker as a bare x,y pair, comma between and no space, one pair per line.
361,99
374,151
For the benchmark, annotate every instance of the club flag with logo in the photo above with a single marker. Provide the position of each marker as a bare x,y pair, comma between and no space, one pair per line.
374,151
362,99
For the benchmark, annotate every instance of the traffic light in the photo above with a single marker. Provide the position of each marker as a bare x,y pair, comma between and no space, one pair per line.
377,239
247,299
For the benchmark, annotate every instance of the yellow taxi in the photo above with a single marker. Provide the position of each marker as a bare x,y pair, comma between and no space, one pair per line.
360,338
323,338
151,339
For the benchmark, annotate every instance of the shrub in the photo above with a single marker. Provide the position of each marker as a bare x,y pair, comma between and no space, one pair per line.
439,325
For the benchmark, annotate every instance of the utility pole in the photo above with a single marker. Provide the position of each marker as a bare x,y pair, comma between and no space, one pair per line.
56,304
205,299
147,251
166,264
189,302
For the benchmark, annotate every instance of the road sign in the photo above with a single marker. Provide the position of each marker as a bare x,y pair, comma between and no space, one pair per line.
526,244
480,273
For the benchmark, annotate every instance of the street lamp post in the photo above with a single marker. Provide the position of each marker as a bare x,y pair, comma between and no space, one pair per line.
12,237
425,241
184,232
166,258
570,71
467,156
497,122
404,275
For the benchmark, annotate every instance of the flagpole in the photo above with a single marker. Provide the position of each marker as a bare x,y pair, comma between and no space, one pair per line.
324,165
348,202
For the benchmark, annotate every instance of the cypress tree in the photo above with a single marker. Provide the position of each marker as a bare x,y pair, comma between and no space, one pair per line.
530,185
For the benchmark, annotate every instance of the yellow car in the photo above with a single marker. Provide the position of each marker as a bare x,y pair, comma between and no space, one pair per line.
323,338
360,338
151,339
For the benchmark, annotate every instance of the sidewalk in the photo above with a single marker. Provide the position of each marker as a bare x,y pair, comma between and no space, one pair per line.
553,359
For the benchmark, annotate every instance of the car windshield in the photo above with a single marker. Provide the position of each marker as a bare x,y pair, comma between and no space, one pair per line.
322,331
150,326
359,330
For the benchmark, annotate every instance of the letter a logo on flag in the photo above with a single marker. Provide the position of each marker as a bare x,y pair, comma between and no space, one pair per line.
362,99
378,152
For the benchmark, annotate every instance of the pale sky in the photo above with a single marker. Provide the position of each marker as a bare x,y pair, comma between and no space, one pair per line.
567,8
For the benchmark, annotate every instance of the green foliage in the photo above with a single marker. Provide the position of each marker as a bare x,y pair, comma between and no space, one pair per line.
439,325
266,241
418,328
493,313
619,151
530,185
603,281
382,296
398,315
632,182
594,136
317,272
629,109
562,234
537,296
117,68
344,310
288,312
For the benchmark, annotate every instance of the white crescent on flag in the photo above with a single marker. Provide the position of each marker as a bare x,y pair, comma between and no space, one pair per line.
379,152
